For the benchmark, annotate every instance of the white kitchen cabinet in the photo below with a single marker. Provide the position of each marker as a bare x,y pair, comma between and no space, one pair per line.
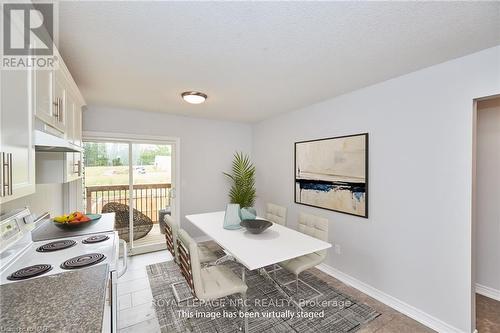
59,100
70,117
73,170
73,118
63,120
78,140
17,154
53,167
50,89
36,99
49,92
70,157
63,167
73,196
73,135
43,81
78,124
77,135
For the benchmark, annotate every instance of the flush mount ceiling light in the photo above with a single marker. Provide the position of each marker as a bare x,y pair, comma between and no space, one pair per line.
194,97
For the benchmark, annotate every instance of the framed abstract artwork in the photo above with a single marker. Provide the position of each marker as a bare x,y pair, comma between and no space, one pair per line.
332,173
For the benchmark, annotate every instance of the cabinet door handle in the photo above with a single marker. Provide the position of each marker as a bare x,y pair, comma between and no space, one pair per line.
6,174
61,109
10,174
56,108
58,113
78,168
2,175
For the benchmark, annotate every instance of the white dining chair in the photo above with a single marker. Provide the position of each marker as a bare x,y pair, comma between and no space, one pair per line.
208,283
171,230
276,214
205,255
316,227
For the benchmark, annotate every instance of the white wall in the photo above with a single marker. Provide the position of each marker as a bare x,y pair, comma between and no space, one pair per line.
488,195
207,149
416,245
47,198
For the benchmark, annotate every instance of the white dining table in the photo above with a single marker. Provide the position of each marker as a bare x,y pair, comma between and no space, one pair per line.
254,251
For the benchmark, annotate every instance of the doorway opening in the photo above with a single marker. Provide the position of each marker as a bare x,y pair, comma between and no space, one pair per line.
486,216
135,179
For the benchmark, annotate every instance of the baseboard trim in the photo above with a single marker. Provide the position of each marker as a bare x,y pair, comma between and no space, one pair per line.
406,309
488,292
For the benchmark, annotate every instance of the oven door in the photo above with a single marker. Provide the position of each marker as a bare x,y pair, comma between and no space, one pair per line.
110,320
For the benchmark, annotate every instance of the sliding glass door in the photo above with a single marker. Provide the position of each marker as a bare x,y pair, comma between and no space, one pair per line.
135,180
152,184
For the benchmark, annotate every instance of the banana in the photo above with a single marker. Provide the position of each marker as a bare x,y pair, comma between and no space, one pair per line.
63,218
66,218
60,219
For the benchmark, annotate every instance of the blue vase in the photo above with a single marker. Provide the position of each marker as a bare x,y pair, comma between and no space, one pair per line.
248,213
232,217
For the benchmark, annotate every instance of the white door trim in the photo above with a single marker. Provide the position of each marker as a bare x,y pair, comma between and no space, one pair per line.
153,139
93,135
475,287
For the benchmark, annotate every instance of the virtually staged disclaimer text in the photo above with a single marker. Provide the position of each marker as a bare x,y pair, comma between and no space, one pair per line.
240,314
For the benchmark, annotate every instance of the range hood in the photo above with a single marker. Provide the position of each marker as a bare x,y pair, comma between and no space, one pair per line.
51,143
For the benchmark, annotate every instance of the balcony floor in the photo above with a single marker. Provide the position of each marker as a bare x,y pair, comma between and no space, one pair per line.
152,238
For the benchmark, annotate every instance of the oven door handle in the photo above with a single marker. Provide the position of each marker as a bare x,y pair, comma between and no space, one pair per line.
125,258
114,303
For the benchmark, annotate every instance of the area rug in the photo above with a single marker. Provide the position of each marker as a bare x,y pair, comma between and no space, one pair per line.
268,310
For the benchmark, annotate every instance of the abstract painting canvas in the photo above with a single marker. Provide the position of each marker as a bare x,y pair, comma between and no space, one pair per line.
333,174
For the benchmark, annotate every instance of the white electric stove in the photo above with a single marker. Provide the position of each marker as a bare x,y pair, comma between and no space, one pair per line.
61,255
22,259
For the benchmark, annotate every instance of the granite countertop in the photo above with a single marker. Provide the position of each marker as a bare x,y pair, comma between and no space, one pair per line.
66,302
48,230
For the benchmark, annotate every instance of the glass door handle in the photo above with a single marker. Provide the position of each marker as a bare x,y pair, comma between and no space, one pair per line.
172,193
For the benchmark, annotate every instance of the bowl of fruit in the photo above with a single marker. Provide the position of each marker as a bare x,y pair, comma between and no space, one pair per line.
75,220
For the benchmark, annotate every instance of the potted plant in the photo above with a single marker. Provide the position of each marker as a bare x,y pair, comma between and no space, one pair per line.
242,190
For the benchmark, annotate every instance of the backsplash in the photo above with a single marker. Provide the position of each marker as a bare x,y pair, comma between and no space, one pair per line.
47,198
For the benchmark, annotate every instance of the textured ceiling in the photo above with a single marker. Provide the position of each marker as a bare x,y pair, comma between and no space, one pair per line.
257,59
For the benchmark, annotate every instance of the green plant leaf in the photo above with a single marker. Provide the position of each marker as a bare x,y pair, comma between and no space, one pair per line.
242,176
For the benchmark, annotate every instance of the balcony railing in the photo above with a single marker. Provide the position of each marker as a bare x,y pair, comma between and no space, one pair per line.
147,198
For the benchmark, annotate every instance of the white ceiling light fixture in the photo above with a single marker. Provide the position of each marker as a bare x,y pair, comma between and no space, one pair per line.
194,97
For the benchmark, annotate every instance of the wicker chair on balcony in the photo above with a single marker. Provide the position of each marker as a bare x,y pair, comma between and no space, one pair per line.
142,223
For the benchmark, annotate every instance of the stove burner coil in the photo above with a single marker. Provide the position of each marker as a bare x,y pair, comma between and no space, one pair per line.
83,261
29,272
95,239
57,245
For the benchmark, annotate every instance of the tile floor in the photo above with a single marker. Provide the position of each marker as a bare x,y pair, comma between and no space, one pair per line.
136,311
137,314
